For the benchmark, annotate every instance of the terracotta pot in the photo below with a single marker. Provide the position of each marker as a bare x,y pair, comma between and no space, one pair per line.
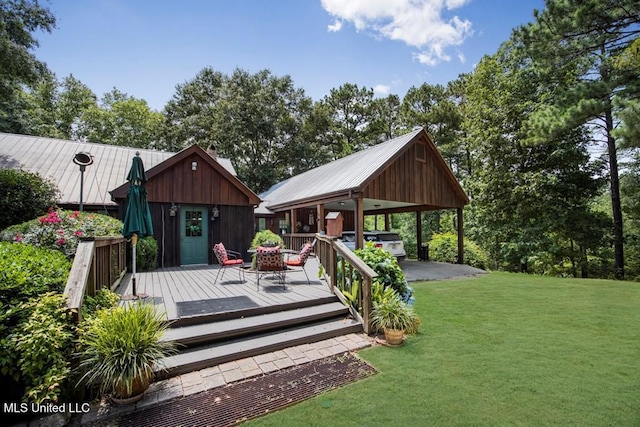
394,337
140,384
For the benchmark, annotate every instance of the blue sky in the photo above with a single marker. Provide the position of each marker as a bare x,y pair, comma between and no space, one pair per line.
146,47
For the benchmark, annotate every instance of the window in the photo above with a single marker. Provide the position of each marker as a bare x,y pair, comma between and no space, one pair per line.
193,224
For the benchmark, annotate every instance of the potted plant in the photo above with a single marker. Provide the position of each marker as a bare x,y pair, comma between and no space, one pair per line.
395,318
120,348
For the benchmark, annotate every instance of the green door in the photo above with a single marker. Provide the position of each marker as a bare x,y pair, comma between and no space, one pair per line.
194,241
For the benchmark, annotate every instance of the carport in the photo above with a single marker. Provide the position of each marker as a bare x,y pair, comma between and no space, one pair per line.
404,174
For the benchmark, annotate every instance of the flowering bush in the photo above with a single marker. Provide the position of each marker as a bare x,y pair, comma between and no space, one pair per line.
61,230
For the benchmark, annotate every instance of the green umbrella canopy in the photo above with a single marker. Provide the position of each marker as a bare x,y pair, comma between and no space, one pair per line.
137,217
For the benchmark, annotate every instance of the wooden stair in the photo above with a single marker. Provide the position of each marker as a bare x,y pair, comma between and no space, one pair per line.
208,341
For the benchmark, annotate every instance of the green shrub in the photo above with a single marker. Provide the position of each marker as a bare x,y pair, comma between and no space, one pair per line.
444,247
24,195
42,346
27,271
389,272
103,300
62,230
147,254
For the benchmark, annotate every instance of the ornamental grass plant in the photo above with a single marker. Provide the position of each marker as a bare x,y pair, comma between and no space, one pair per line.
121,347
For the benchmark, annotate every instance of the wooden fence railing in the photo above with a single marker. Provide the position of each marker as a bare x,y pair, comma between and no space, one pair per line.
98,263
295,241
347,274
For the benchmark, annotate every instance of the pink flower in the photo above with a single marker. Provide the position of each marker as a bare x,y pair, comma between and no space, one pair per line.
78,233
18,237
61,241
61,231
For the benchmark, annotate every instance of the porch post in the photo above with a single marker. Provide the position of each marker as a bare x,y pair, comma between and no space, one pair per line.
294,220
460,238
359,220
386,222
320,222
418,231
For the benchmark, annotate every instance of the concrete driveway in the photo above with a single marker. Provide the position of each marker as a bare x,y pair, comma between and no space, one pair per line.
415,271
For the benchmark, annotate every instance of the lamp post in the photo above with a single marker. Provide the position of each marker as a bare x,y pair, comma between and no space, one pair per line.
83,160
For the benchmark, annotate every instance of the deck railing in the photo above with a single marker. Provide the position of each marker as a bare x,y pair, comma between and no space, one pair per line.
347,276
98,263
295,241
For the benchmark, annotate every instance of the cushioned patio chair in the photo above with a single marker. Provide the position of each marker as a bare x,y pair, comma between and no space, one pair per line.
300,259
228,259
270,260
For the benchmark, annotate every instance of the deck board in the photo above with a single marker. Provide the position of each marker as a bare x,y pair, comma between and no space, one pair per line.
171,285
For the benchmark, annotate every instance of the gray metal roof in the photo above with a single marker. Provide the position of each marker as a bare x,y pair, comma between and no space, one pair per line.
53,158
339,176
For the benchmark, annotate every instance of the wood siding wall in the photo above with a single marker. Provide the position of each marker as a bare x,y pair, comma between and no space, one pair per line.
411,180
204,186
234,227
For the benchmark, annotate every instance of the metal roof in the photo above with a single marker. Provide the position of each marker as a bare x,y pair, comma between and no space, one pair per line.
53,158
338,176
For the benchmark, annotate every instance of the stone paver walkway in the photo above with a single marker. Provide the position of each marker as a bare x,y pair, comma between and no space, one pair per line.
220,375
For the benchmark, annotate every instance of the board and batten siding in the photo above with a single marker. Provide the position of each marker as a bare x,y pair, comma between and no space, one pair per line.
414,178
204,186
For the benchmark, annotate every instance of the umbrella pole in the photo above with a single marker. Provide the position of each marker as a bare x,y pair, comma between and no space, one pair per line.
134,243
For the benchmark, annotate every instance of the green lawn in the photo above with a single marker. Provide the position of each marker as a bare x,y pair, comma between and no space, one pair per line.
502,349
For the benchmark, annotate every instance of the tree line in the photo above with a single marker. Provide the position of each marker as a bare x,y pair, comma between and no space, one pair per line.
543,134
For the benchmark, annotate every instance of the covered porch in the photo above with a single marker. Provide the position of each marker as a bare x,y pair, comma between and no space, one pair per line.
404,174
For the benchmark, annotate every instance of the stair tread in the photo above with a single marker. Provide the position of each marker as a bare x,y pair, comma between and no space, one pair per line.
254,345
192,332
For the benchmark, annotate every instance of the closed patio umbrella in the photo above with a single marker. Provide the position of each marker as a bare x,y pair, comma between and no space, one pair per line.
137,218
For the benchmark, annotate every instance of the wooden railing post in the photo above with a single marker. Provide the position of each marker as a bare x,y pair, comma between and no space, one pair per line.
350,269
92,270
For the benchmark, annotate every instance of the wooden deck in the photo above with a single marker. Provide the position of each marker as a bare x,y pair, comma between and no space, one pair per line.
166,287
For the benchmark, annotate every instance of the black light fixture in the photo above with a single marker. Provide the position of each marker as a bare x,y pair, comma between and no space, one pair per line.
82,159
173,209
215,213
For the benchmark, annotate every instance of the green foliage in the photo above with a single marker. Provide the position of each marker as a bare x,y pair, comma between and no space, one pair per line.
26,274
24,195
147,254
380,293
352,294
392,313
103,300
19,22
266,237
42,346
62,230
444,247
386,266
122,344
27,271
121,119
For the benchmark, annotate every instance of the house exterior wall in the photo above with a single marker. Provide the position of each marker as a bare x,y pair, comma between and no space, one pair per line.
416,176
205,185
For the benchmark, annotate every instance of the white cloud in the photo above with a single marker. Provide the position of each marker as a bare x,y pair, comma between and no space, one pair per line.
336,26
461,57
381,90
418,23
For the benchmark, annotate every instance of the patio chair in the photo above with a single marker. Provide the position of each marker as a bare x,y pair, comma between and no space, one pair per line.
228,259
270,260
300,259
